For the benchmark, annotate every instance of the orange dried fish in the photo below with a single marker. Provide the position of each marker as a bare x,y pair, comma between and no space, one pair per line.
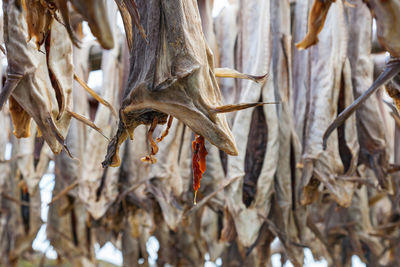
165,133
154,148
198,163
316,21
20,119
39,19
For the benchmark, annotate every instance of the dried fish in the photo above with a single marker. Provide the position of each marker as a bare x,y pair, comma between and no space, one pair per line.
199,163
256,130
287,213
316,21
29,83
98,187
39,19
176,68
327,85
178,84
95,12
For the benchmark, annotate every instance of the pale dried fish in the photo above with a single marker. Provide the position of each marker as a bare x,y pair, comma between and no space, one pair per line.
29,83
256,130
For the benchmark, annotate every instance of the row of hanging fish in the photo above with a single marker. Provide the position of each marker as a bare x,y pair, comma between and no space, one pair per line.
250,126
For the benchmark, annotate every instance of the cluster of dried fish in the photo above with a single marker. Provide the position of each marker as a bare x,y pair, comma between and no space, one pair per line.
305,171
